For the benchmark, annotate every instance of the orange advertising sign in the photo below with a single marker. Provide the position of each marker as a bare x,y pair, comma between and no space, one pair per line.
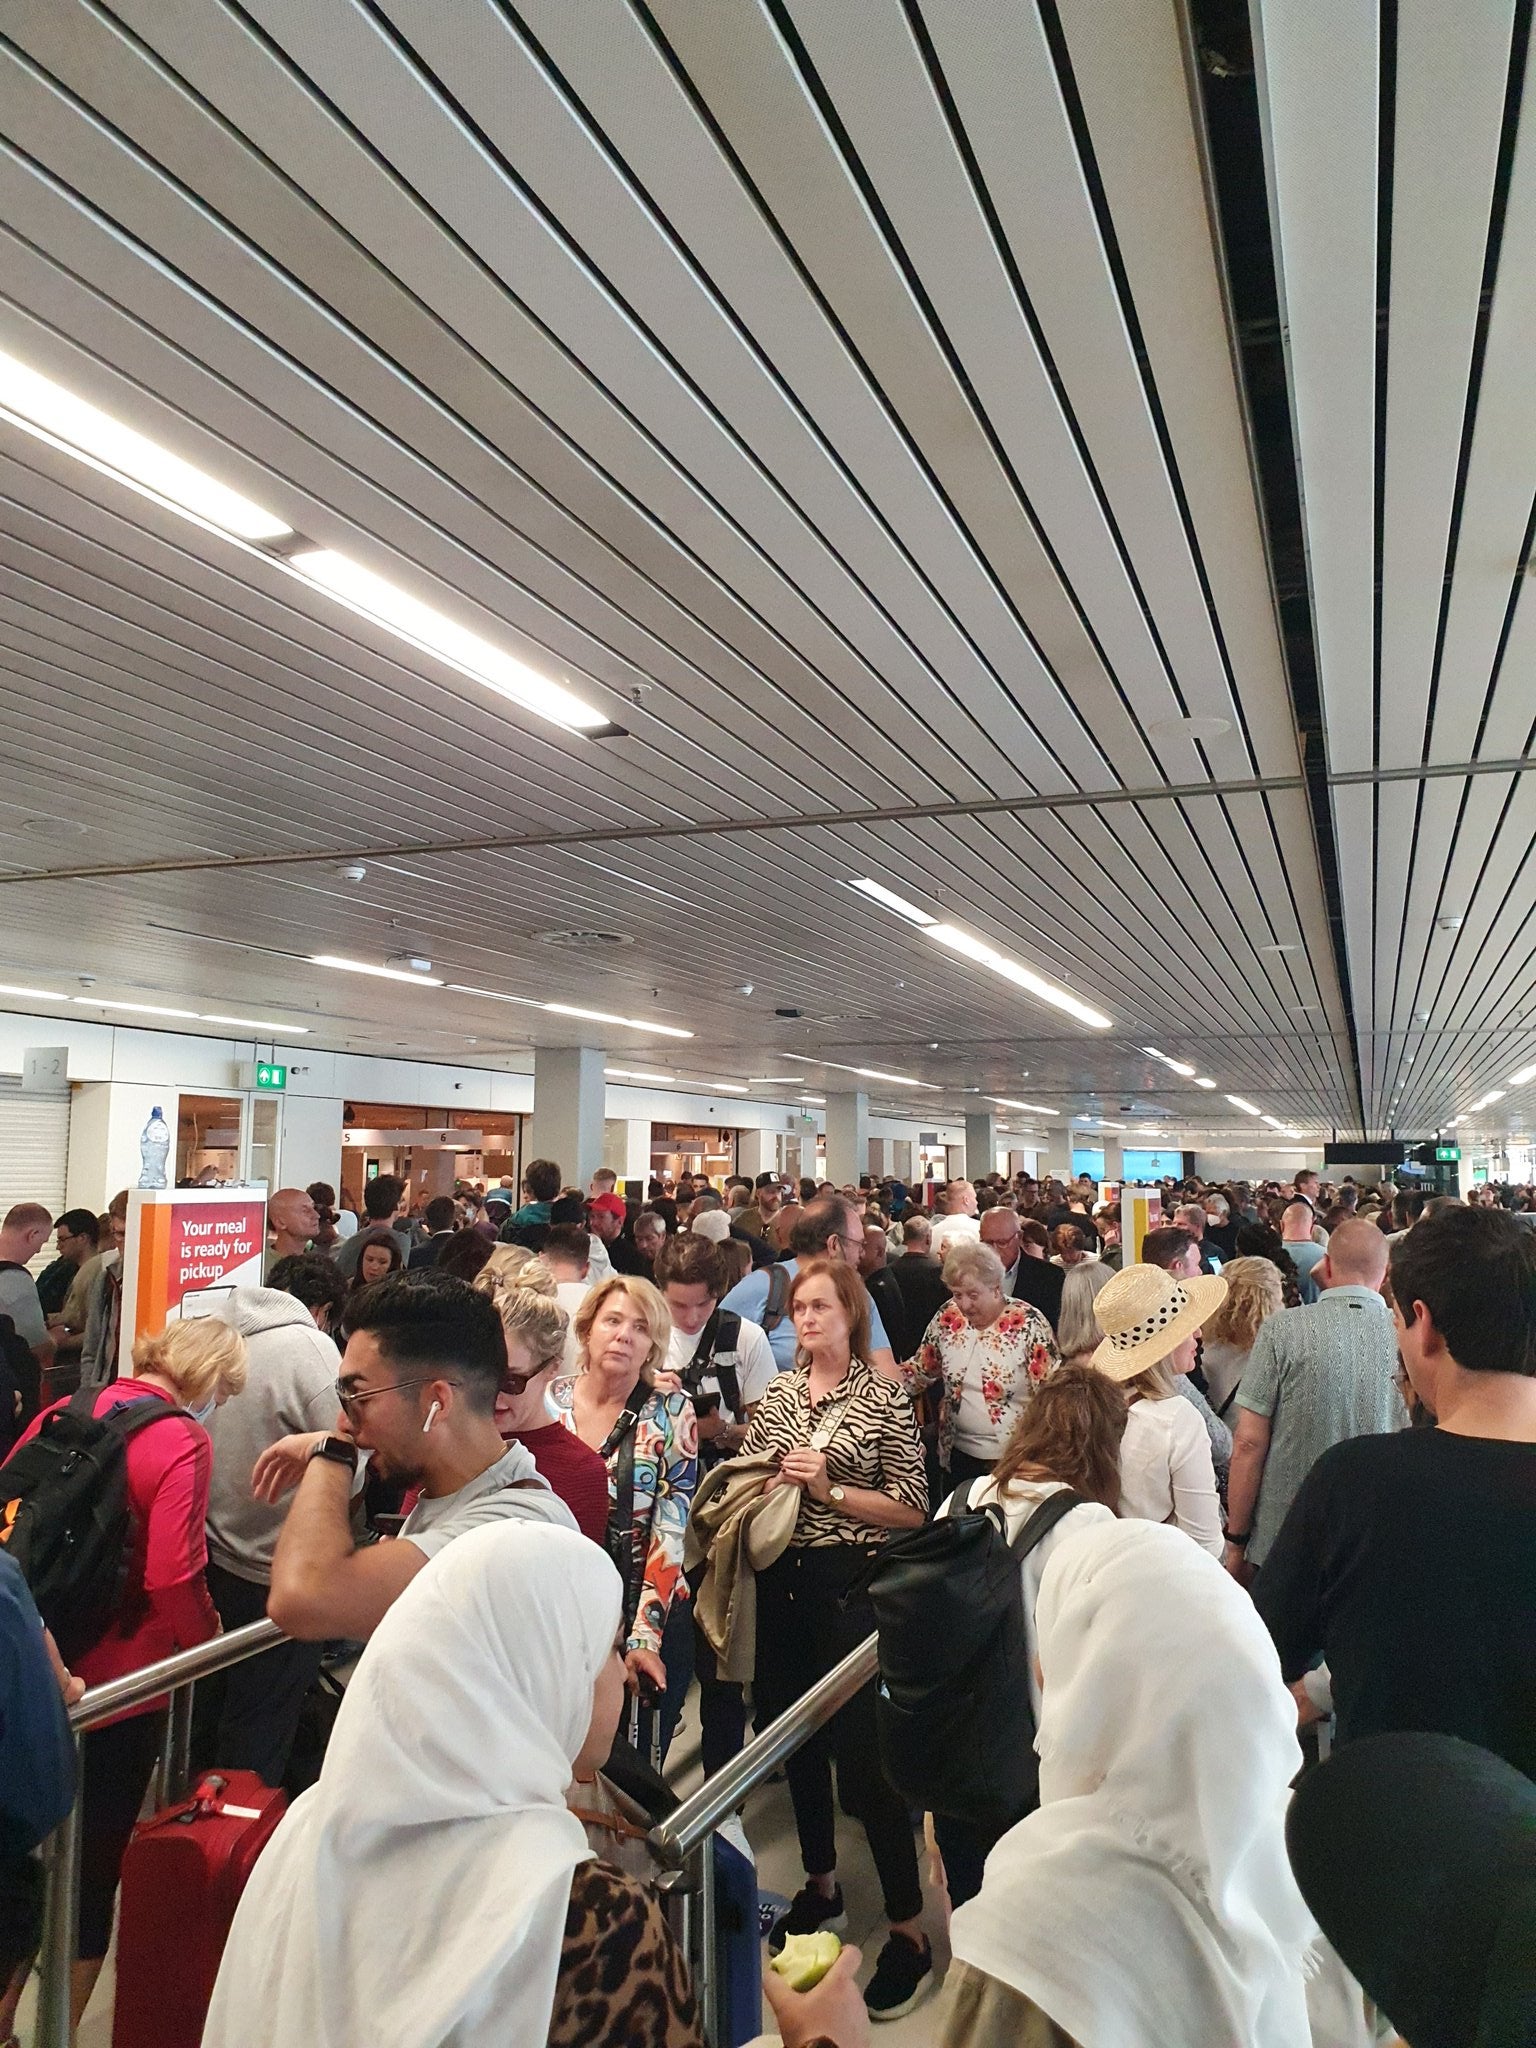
186,1249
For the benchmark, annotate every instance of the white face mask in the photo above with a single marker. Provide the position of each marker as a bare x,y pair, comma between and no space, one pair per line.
206,1413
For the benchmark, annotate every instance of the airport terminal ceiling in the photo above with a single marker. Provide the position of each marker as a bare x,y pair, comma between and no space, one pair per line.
1066,465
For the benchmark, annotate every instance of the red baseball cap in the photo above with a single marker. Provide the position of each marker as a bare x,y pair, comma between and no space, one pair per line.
612,1205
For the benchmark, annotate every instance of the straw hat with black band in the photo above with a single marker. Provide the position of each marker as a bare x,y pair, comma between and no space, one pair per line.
1145,1313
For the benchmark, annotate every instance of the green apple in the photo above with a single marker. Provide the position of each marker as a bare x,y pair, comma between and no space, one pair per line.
806,1958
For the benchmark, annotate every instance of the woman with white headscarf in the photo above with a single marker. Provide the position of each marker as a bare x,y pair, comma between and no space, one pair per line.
1149,1900
432,1890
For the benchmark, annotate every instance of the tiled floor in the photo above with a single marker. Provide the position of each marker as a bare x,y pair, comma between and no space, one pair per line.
771,1830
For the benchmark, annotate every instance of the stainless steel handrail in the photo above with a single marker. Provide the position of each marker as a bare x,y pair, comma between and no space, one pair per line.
176,1676
718,1797
138,1688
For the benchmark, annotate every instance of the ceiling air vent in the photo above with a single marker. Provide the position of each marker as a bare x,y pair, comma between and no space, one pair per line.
580,940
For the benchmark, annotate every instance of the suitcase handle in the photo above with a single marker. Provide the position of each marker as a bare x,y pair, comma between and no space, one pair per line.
205,1800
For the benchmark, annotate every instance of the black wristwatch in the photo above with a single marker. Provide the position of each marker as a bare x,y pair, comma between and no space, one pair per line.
1240,1542
339,1449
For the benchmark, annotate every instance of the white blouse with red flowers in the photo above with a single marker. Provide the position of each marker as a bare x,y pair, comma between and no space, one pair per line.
987,1375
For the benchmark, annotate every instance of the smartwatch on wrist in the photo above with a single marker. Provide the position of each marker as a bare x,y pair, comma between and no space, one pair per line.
339,1450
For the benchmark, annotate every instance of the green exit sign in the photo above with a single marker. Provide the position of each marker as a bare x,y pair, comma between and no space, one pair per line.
271,1077
1445,1154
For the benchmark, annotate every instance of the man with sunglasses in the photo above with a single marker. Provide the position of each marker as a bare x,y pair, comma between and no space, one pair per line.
423,1364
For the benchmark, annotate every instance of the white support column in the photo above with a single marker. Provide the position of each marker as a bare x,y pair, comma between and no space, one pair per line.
312,1126
1114,1158
568,1097
847,1136
757,1152
1056,1154
627,1147
106,1121
980,1143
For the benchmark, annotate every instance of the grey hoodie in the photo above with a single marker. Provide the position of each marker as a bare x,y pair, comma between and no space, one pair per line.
291,1388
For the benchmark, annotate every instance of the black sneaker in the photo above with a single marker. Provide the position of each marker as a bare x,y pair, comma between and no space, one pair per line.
903,1977
809,1912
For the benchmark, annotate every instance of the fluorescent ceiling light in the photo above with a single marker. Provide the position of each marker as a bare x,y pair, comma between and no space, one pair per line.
46,409
40,995
1247,1108
629,1074
1274,1121
820,1101
1525,1074
1202,1082
366,967
720,1088
1008,1102
607,1017
255,1024
140,1009
892,901
868,1073
1493,1095
1178,1066
971,948
772,1080
373,597
496,995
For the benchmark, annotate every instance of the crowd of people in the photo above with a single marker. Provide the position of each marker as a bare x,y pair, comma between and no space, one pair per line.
524,1443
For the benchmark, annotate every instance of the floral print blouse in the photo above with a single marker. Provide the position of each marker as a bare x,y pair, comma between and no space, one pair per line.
665,1475
989,1374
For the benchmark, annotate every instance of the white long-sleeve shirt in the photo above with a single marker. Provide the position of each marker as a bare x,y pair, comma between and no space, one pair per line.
1166,1473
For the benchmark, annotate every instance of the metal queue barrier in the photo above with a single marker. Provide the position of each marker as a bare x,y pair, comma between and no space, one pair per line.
680,1844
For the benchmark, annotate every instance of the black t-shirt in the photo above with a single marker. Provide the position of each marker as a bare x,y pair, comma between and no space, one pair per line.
1409,1562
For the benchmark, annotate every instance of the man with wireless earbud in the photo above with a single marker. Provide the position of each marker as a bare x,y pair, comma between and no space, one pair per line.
422,1365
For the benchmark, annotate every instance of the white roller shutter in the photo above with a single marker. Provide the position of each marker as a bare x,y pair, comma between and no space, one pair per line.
34,1151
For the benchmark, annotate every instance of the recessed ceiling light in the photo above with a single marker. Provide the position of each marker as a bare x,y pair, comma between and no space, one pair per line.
969,947
867,1073
36,995
1178,1066
1247,1108
346,966
374,597
1493,1095
57,416
1450,924
254,1024
140,1009
496,995
1202,1082
902,908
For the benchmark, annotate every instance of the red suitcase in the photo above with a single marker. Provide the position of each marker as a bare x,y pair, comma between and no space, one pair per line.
182,1878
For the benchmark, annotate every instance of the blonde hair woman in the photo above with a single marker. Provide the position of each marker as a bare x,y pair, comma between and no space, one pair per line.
180,1378
513,1265
535,1325
1151,1322
1255,1292
649,1442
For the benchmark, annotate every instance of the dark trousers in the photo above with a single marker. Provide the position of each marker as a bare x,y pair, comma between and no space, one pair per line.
722,1709
116,1764
802,1633
965,1849
962,1470
246,1716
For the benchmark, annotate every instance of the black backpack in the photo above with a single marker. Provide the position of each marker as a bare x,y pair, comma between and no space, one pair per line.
954,1661
65,1515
